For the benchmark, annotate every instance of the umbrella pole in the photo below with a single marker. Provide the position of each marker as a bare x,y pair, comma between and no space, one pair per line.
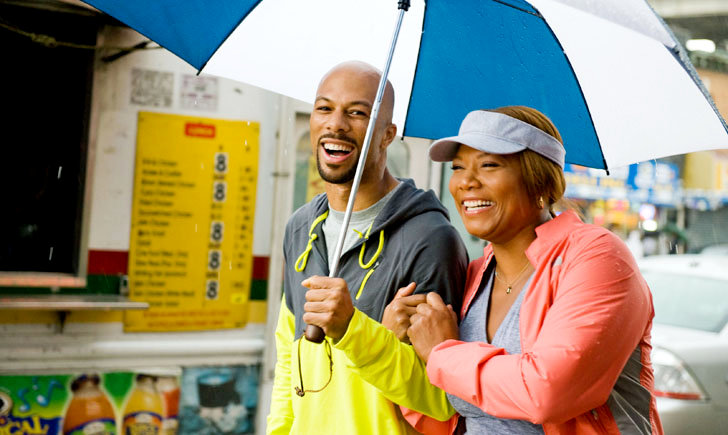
313,332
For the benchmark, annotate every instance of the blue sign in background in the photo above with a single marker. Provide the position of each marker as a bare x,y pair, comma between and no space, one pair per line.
655,182
647,182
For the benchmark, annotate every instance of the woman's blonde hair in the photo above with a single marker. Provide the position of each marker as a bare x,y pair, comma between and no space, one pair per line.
542,177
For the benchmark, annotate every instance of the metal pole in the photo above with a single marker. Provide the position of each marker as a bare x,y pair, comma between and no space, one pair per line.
313,332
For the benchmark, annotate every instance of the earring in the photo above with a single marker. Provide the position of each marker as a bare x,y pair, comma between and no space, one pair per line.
540,202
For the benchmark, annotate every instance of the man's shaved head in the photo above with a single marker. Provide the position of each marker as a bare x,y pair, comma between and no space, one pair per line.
372,75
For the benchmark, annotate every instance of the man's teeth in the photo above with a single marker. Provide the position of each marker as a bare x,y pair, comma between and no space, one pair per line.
476,204
337,147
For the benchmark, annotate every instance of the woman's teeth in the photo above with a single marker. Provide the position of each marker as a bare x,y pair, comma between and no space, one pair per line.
476,204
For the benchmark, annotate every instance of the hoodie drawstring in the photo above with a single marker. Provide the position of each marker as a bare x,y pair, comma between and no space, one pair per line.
364,247
300,265
372,260
302,260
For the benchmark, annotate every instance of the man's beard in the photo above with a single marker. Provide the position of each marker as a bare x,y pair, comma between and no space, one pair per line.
336,179
332,178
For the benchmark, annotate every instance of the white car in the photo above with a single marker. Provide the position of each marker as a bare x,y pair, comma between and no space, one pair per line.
690,341
720,249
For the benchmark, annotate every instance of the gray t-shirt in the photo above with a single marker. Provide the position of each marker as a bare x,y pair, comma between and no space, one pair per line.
508,336
358,225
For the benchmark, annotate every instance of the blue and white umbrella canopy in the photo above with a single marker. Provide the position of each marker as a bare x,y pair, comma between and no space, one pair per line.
607,72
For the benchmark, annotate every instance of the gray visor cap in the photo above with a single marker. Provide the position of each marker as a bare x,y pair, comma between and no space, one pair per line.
496,133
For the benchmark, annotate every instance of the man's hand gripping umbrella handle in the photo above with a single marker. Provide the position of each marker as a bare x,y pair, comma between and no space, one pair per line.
314,333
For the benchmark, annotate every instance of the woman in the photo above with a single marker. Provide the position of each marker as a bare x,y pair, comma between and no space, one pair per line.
556,318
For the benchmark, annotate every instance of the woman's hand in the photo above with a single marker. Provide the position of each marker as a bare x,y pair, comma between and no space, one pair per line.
396,316
433,323
328,305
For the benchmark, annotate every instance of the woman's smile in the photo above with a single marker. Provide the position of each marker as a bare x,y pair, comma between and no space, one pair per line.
476,206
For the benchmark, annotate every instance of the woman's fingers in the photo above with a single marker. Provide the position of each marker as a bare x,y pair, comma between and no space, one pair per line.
397,314
405,291
434,300
433,323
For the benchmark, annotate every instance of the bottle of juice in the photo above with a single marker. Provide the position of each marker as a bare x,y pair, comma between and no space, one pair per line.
169,390
90,412
143,411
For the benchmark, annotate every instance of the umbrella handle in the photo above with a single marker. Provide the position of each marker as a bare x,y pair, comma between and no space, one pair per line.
314,334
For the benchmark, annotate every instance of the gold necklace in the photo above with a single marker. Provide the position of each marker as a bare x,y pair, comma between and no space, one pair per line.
509,287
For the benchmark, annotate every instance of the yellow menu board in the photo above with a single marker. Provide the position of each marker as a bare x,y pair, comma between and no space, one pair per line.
190,254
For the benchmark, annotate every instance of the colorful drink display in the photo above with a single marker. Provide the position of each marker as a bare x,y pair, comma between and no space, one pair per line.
143,410
89,404
168,388
90,412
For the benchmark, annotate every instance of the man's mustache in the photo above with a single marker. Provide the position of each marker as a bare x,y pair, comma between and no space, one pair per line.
341,137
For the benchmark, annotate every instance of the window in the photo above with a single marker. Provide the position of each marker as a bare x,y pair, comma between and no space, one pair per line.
46,94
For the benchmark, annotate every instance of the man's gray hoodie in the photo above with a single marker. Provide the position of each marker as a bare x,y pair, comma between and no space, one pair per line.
415,242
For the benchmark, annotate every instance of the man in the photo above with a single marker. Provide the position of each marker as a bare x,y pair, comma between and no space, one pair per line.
398,235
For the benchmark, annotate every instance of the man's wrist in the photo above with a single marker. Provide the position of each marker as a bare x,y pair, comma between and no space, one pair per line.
346,329
350,329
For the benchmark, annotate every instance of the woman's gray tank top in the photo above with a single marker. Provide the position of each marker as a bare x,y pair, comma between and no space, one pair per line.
508,336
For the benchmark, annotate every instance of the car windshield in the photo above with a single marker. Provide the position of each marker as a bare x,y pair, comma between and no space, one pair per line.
688,301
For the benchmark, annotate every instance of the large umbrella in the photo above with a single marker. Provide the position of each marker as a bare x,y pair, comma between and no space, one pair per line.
609,73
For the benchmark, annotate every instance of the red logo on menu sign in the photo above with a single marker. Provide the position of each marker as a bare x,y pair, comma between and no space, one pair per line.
199,130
